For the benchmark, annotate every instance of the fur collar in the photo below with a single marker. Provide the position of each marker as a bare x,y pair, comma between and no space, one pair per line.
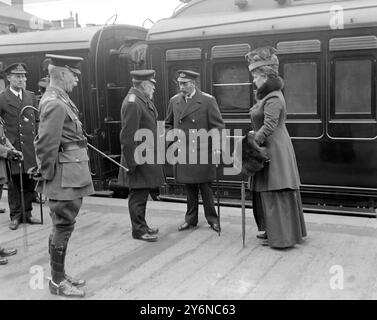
272,84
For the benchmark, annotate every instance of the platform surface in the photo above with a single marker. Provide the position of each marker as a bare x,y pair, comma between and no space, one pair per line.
337,260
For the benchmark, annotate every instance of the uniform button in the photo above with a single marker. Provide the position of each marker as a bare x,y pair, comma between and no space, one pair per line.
193,141
77,160
179,150
179,140
193,120
21,135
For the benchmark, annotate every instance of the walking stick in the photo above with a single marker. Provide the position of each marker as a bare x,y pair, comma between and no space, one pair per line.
107,157
20,166
41,206
218,195
243,211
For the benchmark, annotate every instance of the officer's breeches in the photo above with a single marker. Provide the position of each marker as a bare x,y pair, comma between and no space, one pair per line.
63,215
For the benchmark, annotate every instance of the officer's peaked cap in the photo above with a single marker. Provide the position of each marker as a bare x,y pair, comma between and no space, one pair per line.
16,68
69,62
143,75
187,75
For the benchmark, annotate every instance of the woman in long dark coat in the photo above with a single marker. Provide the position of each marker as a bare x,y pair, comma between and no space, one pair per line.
276,187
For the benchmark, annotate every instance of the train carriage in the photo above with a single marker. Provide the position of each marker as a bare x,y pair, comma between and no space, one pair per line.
109,54
327,52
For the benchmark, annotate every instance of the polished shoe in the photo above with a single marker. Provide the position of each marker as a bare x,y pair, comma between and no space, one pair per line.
74,281
215,227
146,237
3,210
262,235
3,261
65,288
32,220
7,252
186,226
14,224
152,230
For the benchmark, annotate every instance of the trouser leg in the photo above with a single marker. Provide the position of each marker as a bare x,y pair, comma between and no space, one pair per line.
63,215
14,196
192,203
137,203
208,203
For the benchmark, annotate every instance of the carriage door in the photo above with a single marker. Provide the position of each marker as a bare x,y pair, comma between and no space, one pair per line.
352,122
301,69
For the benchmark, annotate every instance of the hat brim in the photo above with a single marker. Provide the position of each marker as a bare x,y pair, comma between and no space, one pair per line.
74,70
184,79
152,80
16,72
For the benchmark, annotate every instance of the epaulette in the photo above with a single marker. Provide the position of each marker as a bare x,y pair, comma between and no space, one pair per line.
131,98
207,95
50,97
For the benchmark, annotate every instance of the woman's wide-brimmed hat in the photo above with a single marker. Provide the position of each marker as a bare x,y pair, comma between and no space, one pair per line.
260,57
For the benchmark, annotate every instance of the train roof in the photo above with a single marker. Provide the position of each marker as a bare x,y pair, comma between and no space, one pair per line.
211,18
54,40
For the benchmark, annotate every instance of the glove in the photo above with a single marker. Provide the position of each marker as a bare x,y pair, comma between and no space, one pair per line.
14,155
35,174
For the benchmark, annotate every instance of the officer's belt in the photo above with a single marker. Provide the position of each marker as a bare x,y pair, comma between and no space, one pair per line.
73,145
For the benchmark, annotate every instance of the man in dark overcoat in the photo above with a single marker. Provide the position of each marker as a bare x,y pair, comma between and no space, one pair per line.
7,151
190,111
138,115
63,168
20,125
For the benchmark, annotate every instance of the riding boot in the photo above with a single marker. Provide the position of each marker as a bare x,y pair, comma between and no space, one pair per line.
59,285
72,280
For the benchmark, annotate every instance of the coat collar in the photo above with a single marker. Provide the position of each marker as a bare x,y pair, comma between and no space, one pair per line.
190,107
145,99
63,96
12,100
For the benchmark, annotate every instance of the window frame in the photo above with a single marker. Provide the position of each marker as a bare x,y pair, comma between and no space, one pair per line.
236,61
309,57
346,56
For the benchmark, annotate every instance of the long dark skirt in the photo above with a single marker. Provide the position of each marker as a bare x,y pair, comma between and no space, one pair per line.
280,214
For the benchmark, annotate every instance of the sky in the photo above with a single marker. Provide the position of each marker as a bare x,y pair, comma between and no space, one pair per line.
133,12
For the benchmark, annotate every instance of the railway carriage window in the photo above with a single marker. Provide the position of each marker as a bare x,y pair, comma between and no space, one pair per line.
232,86
353,87
300,90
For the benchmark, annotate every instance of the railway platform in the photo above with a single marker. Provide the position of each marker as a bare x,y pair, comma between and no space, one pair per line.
336,261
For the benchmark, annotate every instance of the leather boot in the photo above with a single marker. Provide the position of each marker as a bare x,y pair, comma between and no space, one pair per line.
59,285
72,280
66,289
57,259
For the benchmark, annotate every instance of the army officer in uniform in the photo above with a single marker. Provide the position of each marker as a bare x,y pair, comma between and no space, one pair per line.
20,129
64,175
193,110
138,112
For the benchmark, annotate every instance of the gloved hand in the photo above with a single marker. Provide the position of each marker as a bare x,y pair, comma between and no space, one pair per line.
35,174
14,155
